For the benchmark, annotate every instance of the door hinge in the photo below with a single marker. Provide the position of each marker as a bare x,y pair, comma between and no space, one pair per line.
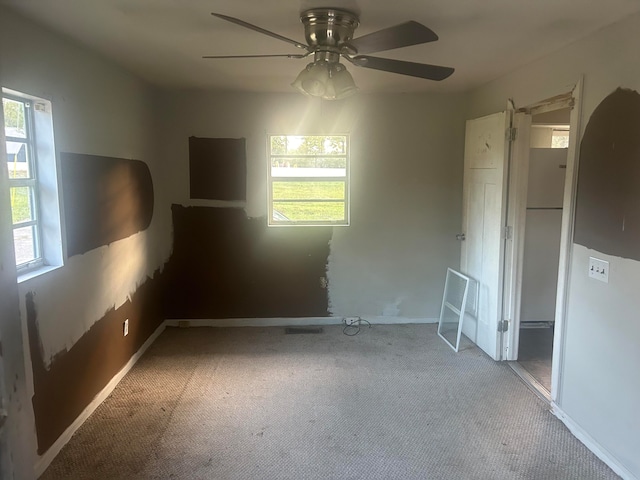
503,326
511,134
508,232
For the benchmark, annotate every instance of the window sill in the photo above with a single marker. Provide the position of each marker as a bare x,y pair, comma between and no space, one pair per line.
36,272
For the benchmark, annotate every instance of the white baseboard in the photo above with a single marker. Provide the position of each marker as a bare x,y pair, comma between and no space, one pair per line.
289,322
383,320
601,452
45,459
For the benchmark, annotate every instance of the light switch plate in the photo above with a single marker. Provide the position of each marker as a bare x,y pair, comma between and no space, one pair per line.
599,269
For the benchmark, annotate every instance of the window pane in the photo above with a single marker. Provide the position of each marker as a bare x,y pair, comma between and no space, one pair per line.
560,139
308,145
18,160
309,167
308,190
24,242
22,204
308,211
14,118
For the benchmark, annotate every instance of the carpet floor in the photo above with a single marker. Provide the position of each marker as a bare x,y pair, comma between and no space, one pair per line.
393,402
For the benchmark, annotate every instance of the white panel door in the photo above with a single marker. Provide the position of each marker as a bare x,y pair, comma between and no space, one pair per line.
483,218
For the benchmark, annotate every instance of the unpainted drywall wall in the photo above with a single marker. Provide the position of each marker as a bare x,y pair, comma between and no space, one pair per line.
602,332
405,185
98,109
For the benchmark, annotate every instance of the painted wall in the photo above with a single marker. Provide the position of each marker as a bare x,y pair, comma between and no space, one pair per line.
98,109
406,185
599,390
17,442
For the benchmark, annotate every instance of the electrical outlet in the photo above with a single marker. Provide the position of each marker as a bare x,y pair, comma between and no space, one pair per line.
351,320
126,327
599,269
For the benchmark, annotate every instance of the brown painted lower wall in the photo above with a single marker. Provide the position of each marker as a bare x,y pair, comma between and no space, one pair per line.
76,376
225,265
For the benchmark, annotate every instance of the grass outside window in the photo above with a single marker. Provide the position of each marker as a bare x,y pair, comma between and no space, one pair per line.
308,180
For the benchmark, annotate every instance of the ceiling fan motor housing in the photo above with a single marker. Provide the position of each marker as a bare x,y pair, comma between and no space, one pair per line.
328,32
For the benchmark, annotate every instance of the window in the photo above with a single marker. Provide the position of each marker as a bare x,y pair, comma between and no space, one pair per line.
308,180
23,191
33,189
560,137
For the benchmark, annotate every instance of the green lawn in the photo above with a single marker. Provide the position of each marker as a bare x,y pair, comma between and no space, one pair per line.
20,208
310,211
308,190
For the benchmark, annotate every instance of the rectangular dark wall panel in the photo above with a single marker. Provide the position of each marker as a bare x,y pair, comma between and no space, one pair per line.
105,199
225,265
217,168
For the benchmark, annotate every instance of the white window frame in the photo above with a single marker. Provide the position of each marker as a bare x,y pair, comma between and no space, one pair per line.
31,182
44,180
270,180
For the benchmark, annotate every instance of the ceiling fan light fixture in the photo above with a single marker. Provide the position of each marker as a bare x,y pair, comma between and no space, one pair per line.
302,76
330,81
317,78
341,83
313,79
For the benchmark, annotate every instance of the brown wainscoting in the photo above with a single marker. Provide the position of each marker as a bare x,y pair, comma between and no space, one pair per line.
75,377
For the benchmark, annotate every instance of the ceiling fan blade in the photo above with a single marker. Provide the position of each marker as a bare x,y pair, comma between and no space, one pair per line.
421,70
242,23
284,55
403,35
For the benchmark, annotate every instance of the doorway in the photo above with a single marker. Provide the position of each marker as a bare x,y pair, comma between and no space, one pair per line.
543,206
549,142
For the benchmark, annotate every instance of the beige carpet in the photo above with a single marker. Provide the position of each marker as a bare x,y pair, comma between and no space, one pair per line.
253,403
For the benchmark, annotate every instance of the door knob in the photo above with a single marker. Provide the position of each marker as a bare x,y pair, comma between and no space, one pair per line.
460,237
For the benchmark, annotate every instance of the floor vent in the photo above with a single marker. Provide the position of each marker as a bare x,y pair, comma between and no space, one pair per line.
302,330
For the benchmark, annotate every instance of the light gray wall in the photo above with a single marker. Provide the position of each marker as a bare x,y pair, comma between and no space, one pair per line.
98,108
17,440
406,181
599,387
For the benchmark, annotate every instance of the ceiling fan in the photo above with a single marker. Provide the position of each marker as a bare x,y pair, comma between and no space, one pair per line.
329,36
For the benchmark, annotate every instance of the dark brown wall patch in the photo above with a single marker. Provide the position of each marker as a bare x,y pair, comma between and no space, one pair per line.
105,199
225,265
217,168
608,198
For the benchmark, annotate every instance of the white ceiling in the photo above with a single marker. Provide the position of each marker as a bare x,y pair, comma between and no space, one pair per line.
163,40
